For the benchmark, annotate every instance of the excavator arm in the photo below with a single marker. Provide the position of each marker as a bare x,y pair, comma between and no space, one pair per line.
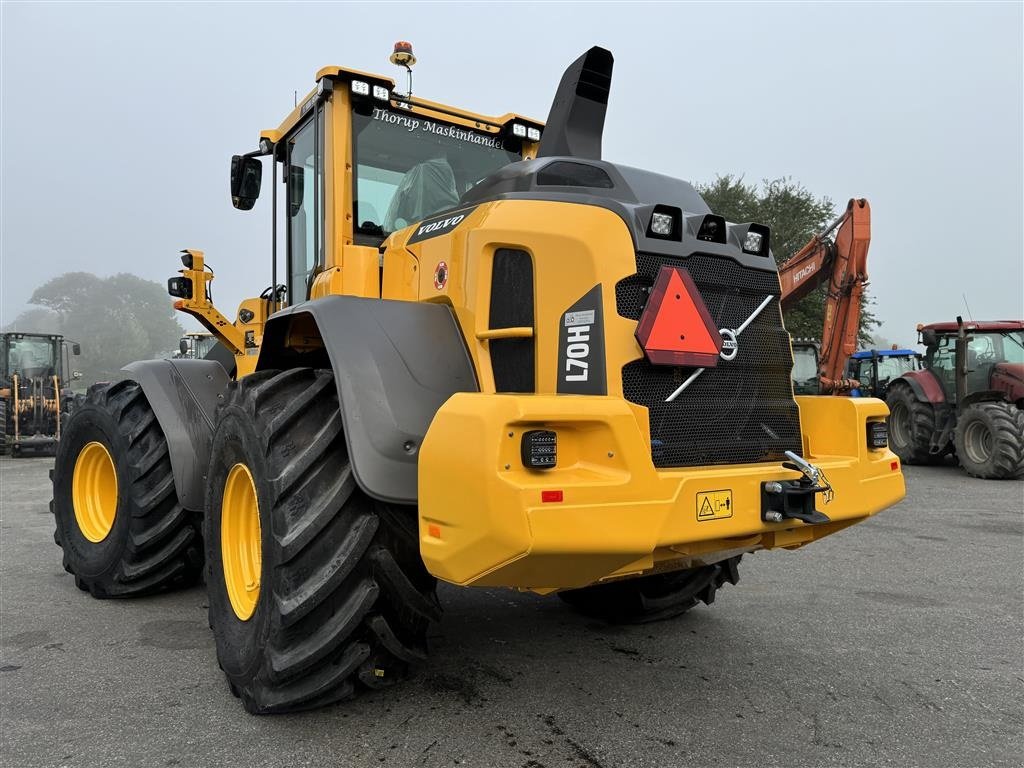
842,263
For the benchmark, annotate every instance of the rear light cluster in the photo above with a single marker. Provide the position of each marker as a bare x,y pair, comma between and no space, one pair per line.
539,449
878,435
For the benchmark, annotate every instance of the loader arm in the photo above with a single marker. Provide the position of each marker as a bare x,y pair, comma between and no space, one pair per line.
842,263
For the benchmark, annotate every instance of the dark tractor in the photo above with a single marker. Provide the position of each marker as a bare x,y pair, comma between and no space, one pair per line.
968,399
875,369
33,397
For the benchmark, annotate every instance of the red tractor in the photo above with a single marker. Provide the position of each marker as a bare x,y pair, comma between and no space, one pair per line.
968,399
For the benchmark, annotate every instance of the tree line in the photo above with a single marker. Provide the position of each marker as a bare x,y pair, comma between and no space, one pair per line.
116,320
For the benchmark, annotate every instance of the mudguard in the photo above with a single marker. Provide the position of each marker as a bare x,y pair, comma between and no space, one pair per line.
925,385
184,395
395,364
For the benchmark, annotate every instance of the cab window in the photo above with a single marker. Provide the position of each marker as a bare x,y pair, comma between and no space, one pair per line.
941,359
305,195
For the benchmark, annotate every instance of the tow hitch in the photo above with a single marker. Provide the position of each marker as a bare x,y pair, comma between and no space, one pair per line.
794,499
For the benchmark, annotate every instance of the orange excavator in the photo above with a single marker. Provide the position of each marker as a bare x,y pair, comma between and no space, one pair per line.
842,262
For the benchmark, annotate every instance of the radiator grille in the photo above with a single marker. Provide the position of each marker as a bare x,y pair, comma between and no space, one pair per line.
740,411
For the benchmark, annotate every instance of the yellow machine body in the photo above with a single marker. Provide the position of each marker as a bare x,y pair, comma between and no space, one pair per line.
605,511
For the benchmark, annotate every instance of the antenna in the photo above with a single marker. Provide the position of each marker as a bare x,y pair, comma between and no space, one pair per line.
968,307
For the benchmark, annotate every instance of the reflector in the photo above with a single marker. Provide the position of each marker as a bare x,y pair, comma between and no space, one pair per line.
675,327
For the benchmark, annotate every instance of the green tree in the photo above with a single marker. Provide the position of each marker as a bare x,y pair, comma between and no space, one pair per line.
34,320
116,319
794,216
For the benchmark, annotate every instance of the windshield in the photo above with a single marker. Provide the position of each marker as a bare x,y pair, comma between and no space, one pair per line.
409,167
892,367
995,348
31,357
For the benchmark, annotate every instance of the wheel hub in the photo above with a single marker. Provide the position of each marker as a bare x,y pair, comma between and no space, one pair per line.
978,442
94,491
240,544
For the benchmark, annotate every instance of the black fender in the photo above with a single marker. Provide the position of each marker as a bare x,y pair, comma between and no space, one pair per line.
984,396
184,395
395,364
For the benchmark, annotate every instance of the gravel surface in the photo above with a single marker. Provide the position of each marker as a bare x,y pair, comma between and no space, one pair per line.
896,642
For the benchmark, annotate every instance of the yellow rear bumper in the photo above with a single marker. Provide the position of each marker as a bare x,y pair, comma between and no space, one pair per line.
483,520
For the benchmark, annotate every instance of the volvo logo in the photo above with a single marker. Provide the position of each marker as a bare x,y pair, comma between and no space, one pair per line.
729,346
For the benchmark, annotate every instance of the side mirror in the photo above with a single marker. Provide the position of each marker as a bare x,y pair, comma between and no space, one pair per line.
76,349
246,179
183,346
928,338
76,374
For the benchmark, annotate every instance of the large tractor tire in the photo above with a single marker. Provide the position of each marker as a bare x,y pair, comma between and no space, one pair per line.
118,519
655,597
912,424
990,440
315,590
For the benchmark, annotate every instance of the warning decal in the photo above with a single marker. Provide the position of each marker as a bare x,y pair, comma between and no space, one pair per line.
714,505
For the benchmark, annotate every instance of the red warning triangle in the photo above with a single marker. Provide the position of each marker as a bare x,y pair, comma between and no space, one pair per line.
676,327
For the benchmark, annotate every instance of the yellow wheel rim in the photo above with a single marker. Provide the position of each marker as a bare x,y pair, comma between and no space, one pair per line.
94,491
240,548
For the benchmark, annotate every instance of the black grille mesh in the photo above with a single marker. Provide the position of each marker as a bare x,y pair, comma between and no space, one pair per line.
740,411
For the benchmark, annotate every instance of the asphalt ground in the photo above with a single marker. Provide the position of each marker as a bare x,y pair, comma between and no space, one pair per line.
896,642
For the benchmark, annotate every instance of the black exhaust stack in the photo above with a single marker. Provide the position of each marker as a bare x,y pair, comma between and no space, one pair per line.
576,120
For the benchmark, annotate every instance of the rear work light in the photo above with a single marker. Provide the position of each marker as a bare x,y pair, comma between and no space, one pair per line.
878,435
180,287
539,449
361,87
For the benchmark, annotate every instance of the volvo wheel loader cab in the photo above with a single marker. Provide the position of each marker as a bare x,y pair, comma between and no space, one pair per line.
499,360
196,345
967,400
33,394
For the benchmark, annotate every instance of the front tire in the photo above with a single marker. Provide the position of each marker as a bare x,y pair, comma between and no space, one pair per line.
116,510
326,594
655,597
990,440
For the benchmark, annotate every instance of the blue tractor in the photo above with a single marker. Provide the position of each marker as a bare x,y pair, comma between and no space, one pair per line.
875,368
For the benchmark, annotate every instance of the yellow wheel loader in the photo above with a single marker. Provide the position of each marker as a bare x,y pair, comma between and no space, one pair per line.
494,359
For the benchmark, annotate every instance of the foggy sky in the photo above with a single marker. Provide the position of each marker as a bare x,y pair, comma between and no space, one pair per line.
118,122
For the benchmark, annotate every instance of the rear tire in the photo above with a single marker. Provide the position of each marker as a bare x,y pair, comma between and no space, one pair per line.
990,440
343,601
655,597
912,424
151,542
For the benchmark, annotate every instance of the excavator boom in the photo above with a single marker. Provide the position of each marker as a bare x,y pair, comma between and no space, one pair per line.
842,263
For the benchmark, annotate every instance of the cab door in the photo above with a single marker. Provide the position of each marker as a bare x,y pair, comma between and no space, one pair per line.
304,211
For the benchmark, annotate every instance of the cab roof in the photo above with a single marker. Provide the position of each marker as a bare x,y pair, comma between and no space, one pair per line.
869,353
979,325
444,112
